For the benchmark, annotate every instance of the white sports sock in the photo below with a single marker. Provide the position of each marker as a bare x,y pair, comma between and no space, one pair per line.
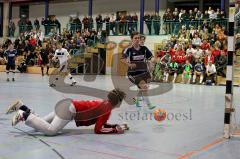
167,74
194,77
183,77
174,77
201,78
13,74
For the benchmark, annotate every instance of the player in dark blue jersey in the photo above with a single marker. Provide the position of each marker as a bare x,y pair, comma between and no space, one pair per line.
136,58
10,55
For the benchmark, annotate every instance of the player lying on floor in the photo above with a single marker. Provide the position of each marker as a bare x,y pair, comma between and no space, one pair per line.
84,113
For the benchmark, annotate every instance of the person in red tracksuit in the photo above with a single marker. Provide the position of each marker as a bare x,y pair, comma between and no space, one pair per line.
84,113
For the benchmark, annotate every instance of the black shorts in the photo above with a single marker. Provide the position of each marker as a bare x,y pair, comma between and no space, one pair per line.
10,67
138,76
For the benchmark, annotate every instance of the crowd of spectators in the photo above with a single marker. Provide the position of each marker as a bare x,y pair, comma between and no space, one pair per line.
194,52
30,44
123,23
197,47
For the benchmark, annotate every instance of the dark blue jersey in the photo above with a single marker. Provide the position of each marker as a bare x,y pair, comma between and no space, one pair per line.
11,56
199,67
138,57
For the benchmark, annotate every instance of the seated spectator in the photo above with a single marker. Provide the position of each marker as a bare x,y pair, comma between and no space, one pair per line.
30,58
190,50
199,15
216,52
2,60
198,52
198,70
205,45
210,75
209,57
187,72
196,41
172,69
221,64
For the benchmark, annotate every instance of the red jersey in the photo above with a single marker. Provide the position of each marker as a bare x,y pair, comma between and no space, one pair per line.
33,42
181,59
171,52
205,46
225,52
94,112
216,52
208,58
180,52
160,53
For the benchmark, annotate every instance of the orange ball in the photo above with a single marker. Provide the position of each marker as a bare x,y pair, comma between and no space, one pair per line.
160,114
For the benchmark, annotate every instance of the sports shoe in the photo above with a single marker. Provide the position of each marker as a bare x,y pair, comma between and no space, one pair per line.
150,106
73,84
14,107
13,79
136,102
17,118
8,80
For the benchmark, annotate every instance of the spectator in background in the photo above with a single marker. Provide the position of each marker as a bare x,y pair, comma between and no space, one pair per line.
135,21
2,60
175,15
221,64
112,24
198,70
198,53
167,17
90,20
36,24
148,21
129,24
205,45
211,72
11,28
218,13
196,40
77,23
187,72
29,25
99,22
199,15
190,50
191,15
85,22
156,23
57,24
208,57
222,15
205,15
122,25
107,21
212,15
209,10
195,11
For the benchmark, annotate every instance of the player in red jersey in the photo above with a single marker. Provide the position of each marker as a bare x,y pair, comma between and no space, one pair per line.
84,113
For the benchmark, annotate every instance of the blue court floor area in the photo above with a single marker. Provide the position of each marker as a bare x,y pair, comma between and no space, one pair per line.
193,135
